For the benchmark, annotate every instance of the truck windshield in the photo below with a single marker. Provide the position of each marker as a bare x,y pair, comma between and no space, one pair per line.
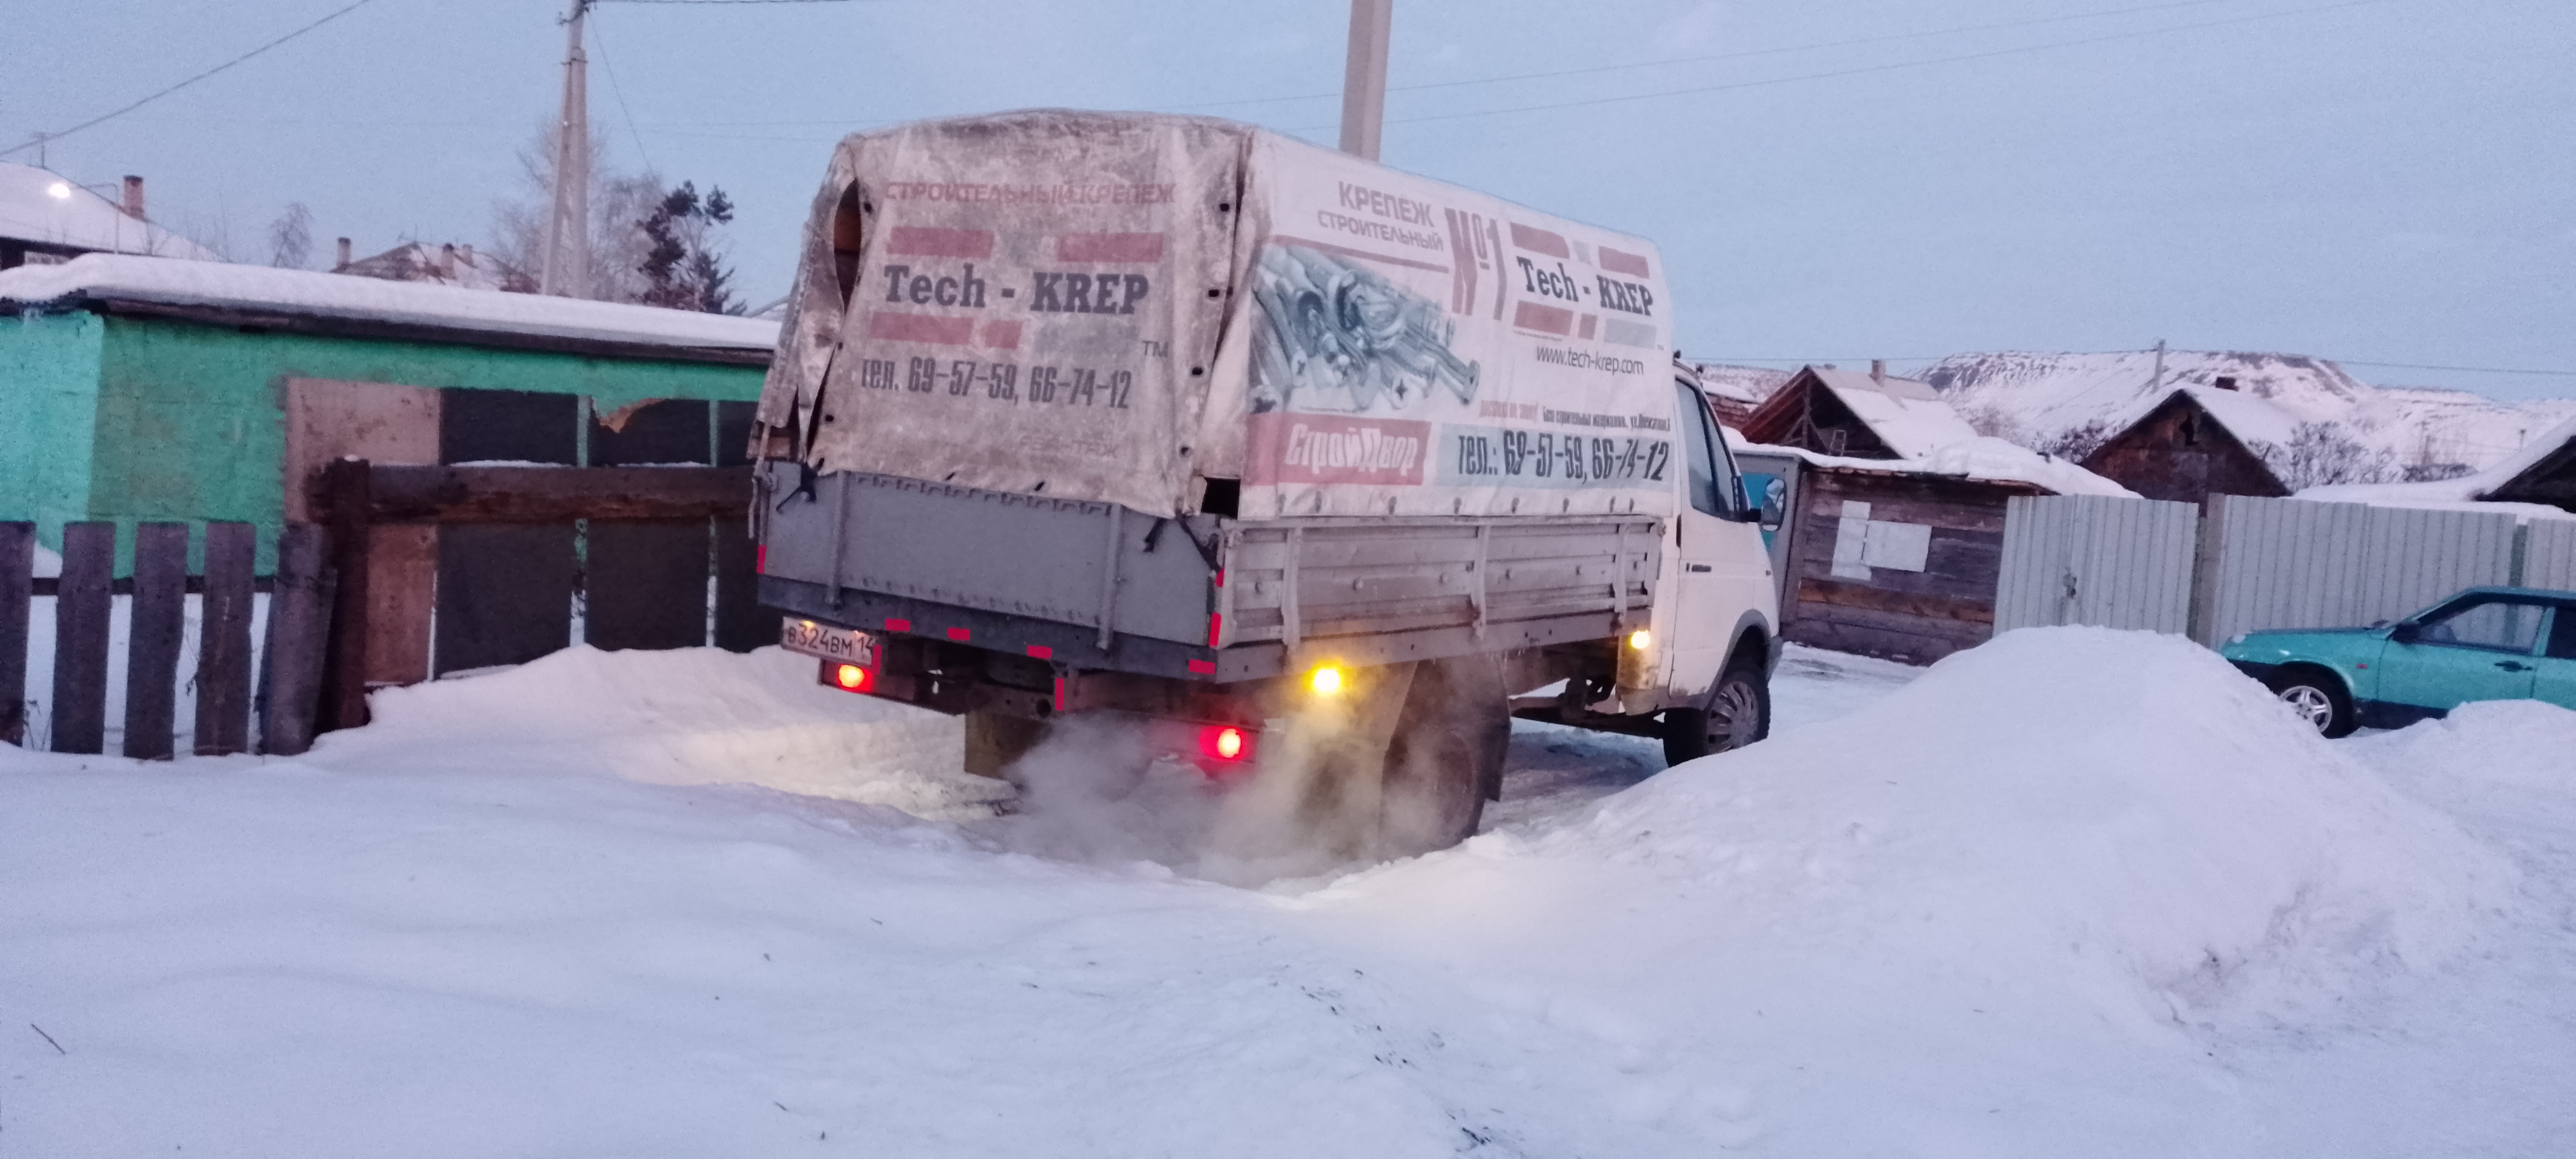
1713,486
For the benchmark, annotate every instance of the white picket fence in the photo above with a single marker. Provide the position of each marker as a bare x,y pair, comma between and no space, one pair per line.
2252,563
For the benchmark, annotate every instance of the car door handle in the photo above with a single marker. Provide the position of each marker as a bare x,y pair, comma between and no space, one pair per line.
2513,665
1699,567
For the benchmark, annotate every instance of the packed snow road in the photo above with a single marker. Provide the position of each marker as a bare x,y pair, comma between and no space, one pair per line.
2074,892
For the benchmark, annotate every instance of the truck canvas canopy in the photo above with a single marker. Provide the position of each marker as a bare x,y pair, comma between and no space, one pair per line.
1124,307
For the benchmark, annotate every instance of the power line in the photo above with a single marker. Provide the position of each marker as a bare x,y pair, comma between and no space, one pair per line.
1735,55
620,90
724,3
2461,369
1739,54
103,117
1987,55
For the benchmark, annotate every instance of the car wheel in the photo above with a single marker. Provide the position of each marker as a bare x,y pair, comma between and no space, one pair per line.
2317,698
1738,713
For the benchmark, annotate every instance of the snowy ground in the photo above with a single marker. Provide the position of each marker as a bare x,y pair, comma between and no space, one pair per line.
2073,893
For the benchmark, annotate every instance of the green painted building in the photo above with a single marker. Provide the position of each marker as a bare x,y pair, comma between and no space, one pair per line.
139,389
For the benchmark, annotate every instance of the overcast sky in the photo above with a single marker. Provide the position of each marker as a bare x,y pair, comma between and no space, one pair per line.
2389,181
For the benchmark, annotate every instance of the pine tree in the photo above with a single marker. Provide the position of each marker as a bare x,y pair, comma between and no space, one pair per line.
681,267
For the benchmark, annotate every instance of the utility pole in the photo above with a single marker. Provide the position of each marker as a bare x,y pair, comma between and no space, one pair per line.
567,272
1364,77
2156,381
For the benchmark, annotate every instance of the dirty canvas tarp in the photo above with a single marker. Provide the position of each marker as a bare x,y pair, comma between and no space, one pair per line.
1117,307
1413,348
1029,308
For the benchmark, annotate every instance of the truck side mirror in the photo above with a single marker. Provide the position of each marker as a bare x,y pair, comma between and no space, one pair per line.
1774,499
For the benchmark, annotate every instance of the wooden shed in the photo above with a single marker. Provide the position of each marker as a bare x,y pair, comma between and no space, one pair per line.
149,389
2185,449
1900,559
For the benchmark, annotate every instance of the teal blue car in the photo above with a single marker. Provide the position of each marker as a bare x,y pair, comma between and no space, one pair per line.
2482,644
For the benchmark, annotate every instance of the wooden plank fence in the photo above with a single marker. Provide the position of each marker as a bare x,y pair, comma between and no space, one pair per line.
667,555
229,693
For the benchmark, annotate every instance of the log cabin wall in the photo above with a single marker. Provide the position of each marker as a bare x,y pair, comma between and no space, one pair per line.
2180,453
1893,565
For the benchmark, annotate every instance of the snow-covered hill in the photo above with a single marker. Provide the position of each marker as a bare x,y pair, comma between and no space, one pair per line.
2035,397
1750,384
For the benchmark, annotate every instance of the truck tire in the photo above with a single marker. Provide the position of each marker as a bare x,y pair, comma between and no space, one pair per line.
1737,713
1445,758
995,742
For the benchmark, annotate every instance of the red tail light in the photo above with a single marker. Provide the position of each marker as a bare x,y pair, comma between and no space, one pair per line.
1216,627
760,560
1225,743
852,678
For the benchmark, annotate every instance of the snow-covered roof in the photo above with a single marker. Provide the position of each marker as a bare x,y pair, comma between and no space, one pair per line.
1909,416
2529,456
2252,420
2436,496
2047,394
31,211
2466,493
446,265
110,277
1976,457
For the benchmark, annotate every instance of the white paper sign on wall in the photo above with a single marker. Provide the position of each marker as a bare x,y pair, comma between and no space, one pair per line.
1862,543
1851,541
1903,546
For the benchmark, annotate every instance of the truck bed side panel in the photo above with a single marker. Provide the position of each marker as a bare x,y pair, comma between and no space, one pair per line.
1023,555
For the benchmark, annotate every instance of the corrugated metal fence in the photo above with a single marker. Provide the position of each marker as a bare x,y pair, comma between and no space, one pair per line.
2091,559
2257,563
2286,563
2549,555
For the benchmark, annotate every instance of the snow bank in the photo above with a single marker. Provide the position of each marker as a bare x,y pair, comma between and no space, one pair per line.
2066,847
2519,743
2076,803
687,716
48,564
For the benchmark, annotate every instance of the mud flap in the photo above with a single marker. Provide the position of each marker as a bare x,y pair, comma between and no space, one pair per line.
994,742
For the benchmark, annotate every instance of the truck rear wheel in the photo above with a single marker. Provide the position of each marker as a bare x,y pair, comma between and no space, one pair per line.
1445,758
1736,713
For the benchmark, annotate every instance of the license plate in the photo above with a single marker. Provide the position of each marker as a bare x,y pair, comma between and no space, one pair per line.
827,642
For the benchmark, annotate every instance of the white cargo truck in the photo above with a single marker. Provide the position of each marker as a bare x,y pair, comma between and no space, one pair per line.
1277,455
